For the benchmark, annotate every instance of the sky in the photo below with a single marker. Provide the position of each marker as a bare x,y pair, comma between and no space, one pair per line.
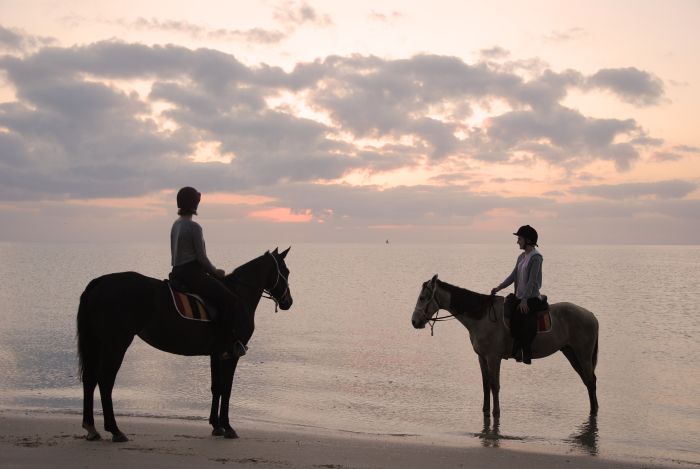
364,121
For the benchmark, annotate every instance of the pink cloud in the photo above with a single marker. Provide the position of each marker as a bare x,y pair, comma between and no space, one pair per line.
282,214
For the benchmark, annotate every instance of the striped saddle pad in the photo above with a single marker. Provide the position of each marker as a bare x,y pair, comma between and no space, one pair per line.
191,306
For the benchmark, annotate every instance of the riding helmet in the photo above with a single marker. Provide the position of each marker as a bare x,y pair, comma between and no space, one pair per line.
188,200
528,233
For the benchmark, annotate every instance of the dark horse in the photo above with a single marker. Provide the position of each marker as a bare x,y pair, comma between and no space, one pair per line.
574,332
116,307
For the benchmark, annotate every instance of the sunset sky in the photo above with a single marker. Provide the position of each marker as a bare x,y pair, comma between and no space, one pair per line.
323,121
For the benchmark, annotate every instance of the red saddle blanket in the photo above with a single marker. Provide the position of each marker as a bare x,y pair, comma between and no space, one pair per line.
189,306
544,321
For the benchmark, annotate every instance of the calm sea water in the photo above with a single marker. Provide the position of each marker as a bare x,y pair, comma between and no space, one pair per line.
346,357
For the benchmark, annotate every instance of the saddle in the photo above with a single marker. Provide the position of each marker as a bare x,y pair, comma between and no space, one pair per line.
191,306
544,320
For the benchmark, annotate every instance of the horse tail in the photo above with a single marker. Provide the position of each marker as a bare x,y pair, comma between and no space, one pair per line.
87,341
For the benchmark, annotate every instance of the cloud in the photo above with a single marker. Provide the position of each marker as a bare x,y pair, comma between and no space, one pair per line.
631,84
664,156
494,53
385,17
671,189
562,137
15,40
566,35
293,15
70,133
687,148
254,35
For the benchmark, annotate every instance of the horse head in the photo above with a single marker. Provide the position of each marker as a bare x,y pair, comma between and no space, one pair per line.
427,305
279,286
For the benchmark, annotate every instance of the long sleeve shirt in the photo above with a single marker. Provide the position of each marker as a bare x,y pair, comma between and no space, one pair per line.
187,244
527,275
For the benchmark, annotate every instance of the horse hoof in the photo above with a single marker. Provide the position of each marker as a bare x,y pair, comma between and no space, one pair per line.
119,437
92,435
231,434
218,431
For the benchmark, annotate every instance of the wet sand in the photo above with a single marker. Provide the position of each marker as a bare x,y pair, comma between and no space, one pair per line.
29,440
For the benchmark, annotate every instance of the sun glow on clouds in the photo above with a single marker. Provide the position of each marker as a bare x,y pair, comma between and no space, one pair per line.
209,152
282,215
227,198
296,104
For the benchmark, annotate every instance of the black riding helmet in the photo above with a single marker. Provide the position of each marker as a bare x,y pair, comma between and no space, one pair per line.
188,200
528,233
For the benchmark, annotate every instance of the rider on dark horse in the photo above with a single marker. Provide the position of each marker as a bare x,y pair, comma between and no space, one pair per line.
527,301
193,270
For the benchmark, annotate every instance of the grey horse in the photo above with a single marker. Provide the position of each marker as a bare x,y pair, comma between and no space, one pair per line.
574,332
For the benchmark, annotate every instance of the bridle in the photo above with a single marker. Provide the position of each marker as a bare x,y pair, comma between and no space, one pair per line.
269,291
435,318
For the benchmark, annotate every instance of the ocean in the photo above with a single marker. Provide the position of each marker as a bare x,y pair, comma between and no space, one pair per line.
346,357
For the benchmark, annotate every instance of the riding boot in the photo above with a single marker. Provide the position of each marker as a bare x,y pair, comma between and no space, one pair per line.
229,345
517,351
527,354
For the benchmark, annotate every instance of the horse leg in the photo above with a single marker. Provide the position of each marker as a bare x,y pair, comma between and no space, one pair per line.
494,371
89,384
228,368
486,385
216,372
109,366
90,363
585,371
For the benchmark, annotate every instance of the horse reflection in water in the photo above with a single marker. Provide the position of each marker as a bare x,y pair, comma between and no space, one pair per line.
117,307
574,333
490,436
584,439
586,436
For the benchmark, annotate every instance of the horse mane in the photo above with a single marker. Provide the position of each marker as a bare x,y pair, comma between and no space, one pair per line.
465,301
241,268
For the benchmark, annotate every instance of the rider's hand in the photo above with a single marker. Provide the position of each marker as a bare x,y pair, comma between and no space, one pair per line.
523,306
494,291
220,273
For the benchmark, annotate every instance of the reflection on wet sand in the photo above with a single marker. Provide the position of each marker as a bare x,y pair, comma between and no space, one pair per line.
584,439
586,436
490,436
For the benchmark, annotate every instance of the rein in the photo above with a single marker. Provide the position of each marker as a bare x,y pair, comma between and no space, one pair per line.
435,318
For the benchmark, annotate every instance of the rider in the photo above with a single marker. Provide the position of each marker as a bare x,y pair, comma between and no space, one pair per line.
526,301
192,269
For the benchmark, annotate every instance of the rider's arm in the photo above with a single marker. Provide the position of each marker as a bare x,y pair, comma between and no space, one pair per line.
534,277
201,251
509,279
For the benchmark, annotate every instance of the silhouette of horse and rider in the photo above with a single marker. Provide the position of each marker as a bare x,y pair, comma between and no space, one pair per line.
115,308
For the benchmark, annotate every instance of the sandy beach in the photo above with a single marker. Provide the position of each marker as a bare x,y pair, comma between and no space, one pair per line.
38,440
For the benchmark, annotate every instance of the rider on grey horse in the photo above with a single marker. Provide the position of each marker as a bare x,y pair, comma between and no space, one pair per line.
527,301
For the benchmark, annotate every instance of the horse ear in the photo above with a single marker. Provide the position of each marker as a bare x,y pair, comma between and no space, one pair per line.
434,279
275,251
283,254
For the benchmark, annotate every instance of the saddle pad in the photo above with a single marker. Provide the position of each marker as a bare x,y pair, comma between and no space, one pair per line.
189,306
544,322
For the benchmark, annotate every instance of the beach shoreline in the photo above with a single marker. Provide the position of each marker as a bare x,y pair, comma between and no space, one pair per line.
37,439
